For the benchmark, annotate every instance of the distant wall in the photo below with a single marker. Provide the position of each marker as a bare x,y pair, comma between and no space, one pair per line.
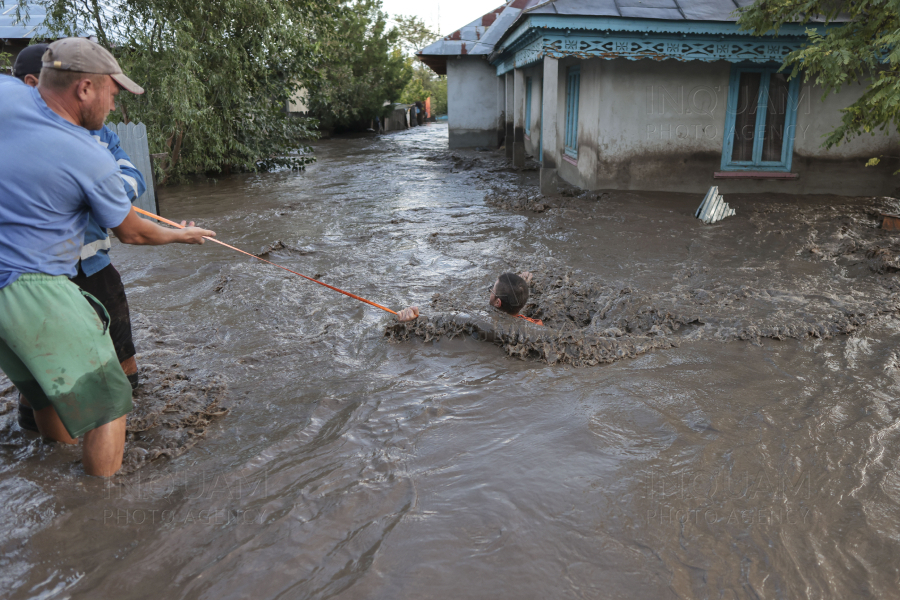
472,102
297,102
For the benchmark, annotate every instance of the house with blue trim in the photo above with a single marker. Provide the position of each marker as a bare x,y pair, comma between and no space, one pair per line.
662,95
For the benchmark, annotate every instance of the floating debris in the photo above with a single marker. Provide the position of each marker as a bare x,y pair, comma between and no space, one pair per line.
890,222
713,208
273,247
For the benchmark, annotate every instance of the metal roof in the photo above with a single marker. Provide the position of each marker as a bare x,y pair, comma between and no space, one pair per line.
26,28
476,38
668,10
482,36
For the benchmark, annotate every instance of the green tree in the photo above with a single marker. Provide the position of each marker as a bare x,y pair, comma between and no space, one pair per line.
415,35
217,74
413,92
866,49
362,67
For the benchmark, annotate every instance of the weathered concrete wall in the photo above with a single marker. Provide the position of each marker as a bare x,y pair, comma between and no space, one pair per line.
647,125
533,139
472,102
841,167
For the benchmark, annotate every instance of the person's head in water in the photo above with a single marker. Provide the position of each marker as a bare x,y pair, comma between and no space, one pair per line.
509,293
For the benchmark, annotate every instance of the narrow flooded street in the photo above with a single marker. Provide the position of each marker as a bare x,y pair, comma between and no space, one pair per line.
744,444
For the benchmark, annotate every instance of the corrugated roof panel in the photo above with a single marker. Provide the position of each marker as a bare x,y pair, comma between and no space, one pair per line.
602,8
482,33
694,10
647,4
668,14
501,25
26,28
708,10
470,33
20,32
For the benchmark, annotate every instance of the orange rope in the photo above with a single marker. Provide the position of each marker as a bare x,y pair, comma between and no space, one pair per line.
535,321
174,224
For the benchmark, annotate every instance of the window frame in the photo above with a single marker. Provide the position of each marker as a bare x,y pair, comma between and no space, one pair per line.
528,106
762,108
573,91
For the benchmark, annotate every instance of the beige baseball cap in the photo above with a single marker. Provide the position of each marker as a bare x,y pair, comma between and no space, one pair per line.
85,56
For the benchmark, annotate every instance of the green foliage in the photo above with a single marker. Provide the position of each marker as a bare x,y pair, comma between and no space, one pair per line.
361,68
415,35
217,75
413,92
438,92
6,62
866,49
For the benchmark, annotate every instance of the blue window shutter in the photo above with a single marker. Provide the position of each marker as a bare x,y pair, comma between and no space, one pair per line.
528,105
573,88
769,106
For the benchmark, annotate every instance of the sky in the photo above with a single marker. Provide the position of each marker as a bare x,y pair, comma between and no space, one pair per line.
447,15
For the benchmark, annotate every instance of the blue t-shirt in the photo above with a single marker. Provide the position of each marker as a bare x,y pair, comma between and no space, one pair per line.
53,175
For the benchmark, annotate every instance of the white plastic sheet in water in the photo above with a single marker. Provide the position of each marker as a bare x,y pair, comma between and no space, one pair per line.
713,208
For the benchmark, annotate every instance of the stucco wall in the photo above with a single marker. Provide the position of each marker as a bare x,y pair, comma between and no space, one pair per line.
843,166
472,102
533,139
647,125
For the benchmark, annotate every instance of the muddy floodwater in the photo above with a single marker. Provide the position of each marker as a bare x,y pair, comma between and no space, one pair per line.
708,411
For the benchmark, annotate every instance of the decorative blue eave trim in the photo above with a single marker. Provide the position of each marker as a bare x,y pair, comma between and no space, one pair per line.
684,47
628,25
615,37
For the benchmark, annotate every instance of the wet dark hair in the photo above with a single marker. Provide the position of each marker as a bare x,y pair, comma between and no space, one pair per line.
512,291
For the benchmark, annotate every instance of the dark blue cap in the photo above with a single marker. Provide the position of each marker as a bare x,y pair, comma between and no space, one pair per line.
28,62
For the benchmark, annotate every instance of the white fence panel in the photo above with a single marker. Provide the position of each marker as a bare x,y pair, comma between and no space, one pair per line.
134,143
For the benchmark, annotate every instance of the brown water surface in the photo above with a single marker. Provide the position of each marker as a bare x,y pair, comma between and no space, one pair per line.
756,456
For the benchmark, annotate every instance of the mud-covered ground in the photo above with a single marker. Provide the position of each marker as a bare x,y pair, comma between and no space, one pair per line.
172,409
709,411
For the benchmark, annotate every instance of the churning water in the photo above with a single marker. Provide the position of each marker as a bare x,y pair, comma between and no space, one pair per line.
710,411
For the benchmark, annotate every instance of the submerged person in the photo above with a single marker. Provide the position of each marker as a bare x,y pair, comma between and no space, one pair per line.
508,294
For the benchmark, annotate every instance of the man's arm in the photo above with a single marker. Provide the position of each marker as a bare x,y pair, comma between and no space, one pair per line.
135,230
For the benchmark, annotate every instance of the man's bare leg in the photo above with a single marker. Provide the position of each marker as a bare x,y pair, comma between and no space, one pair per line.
103,448
129,365
51,426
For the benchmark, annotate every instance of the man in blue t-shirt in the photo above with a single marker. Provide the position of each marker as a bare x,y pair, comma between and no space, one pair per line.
54,340
96,274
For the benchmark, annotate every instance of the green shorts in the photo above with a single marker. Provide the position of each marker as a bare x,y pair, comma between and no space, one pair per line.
57,351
